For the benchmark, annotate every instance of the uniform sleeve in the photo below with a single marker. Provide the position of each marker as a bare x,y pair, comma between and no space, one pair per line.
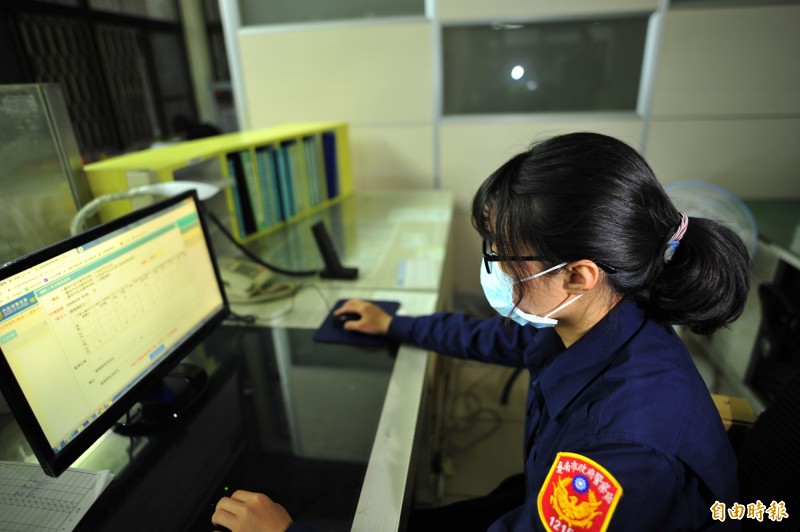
658,493
487,340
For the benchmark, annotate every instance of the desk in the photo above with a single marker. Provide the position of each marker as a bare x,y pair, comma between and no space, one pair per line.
399,241
381,233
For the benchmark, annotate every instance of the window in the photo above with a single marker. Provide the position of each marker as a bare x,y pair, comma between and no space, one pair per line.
565,66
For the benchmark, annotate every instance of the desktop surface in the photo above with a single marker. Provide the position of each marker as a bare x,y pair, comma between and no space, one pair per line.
397,240
282,415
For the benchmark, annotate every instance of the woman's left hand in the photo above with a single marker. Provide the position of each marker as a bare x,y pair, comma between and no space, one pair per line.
245,511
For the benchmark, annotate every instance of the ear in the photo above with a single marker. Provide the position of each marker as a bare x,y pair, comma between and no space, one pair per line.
582,276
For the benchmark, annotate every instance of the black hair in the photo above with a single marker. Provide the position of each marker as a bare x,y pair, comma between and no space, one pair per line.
590,196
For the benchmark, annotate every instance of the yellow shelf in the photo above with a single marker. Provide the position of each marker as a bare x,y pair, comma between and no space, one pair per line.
309,161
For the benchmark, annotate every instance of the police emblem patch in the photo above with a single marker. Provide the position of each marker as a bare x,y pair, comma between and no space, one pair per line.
578,494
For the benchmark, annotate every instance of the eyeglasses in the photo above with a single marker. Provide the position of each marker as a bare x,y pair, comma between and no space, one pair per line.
490,256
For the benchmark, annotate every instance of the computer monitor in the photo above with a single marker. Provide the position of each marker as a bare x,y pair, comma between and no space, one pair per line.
89,324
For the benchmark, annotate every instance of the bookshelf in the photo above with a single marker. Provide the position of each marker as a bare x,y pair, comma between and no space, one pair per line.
278,174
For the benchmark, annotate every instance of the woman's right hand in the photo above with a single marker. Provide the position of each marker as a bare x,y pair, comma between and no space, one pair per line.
374,320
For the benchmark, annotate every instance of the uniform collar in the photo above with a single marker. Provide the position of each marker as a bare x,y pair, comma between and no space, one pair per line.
573,368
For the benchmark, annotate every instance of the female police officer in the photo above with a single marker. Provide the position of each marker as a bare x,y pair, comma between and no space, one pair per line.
588,257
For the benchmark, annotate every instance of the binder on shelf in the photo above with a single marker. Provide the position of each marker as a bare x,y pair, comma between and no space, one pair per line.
312,190
306,172
286,182
319,159
299,178
311,170
313,166
331,166
278,192
266,184
241,192
233,198
253,191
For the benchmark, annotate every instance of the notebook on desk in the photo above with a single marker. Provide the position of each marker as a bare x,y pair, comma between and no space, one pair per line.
330,332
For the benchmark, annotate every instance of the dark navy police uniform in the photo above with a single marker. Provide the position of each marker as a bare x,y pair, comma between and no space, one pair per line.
626,396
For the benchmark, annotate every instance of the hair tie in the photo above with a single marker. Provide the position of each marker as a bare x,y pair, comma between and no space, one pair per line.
676,238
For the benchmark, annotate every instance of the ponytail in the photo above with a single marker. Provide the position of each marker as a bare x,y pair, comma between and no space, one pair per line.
704,284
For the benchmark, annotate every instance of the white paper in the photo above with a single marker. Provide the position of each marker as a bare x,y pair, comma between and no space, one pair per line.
417,273
30,500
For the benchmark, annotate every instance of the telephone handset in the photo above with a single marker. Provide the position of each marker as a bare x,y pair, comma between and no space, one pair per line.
248,282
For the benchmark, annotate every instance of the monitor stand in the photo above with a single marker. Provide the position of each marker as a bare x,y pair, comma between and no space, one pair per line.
166,401
333,267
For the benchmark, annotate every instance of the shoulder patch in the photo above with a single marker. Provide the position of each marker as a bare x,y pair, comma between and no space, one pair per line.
578,494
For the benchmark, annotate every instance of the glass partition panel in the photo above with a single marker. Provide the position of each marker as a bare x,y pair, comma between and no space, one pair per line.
258,12
564,66
42,183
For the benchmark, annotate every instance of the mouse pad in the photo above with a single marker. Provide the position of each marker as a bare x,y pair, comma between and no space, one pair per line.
332,333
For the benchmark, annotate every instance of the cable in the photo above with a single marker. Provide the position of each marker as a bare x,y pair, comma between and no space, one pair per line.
252,256
321,295
254,319
498,422
247,319
474,410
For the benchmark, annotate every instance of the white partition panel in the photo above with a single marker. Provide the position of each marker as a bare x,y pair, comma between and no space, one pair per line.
375,73
472,149
757,158
394,157
731,61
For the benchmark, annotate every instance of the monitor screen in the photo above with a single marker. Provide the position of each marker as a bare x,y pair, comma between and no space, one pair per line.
86,325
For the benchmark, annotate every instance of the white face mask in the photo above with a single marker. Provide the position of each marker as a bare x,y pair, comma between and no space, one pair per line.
498,288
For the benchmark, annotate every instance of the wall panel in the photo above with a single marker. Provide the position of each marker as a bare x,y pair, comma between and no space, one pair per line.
376,74
395,157
471,150
751,158
732,61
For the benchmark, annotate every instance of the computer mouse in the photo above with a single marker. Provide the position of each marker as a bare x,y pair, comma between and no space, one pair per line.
341,319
